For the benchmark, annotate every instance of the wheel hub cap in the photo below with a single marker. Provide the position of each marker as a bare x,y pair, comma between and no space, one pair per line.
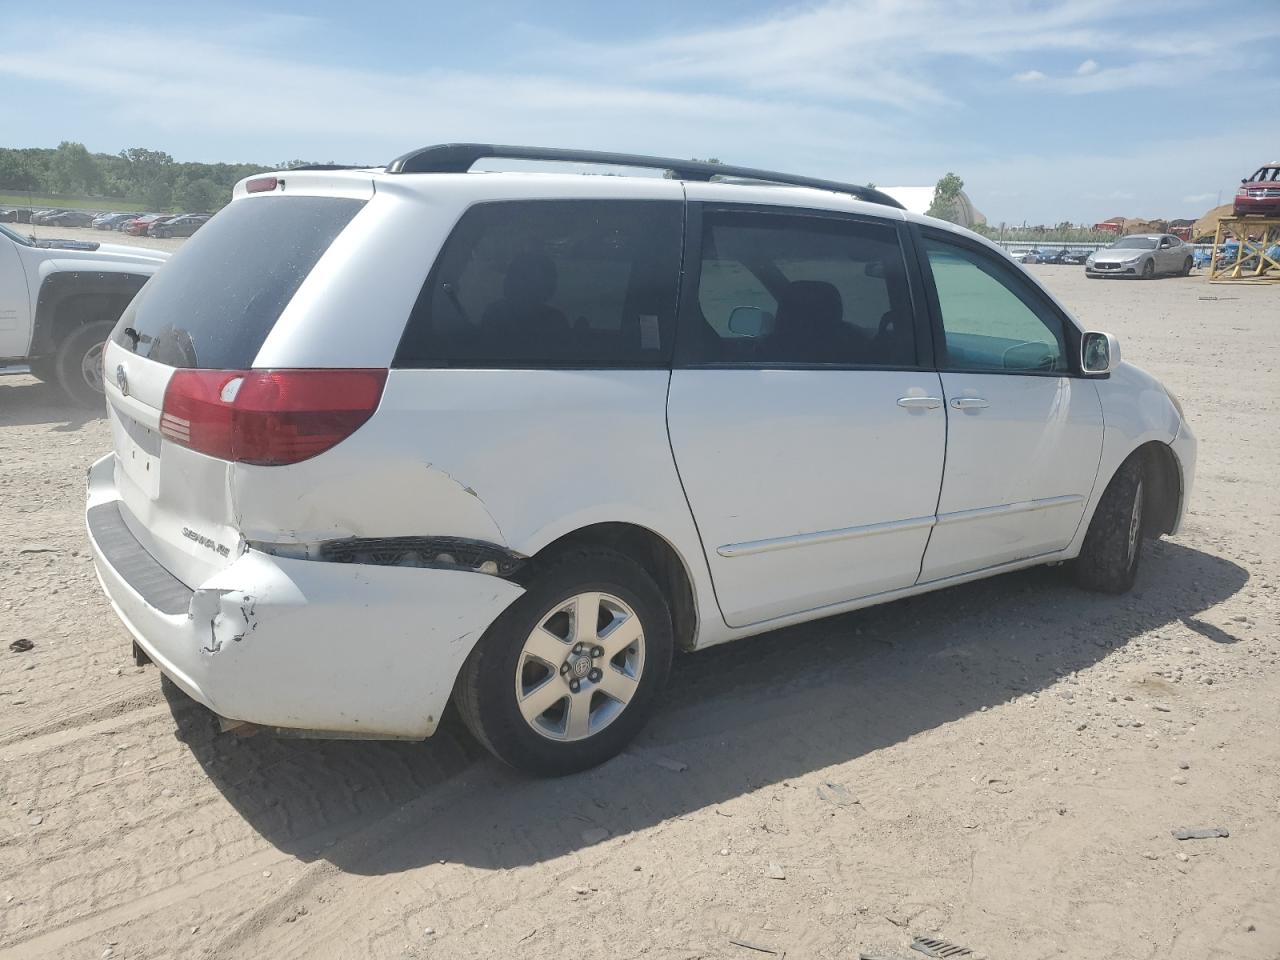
580,666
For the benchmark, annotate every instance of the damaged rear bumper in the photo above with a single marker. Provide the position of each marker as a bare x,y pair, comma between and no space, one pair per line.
346,648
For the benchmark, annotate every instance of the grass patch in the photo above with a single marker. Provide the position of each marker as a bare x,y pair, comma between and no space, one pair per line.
36,202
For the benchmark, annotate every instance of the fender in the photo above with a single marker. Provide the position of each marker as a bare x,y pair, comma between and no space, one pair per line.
58,288
1136,411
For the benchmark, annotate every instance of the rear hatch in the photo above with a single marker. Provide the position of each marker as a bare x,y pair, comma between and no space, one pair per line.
193,334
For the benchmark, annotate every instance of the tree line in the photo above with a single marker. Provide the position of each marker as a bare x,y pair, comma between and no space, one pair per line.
139,175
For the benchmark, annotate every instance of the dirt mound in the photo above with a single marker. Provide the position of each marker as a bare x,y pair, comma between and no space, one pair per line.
1146,226
1130,225
1207,225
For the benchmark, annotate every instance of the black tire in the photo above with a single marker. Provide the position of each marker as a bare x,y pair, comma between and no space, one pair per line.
1108,561
486,689
70,361
1186,267
1149,270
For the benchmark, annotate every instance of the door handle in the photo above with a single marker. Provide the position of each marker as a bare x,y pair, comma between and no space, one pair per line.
920,403
968,403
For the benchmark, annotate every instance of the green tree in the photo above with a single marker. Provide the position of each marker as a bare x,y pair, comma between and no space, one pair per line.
202,195
946,199
16,173
145,165
158,194
72,168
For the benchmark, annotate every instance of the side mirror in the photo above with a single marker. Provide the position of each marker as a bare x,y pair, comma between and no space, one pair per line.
1099,353
750,322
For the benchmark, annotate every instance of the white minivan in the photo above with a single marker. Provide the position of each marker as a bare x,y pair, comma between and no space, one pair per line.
390,438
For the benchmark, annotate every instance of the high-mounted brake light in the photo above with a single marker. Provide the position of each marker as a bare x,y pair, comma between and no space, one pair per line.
262,184
268,417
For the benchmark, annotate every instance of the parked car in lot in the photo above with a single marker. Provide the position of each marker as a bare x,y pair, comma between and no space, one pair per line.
1145,255
1064,256
1034,255
69,218
139,226
110,221
1259,194
546,460
42,216
183,226
15,215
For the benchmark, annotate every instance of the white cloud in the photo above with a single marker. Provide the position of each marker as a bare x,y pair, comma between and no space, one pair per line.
888,51
370,115
846,89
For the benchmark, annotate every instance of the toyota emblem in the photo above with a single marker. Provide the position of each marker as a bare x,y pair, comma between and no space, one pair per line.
122,379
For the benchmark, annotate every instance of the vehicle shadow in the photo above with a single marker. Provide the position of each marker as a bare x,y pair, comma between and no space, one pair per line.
752,713
26,401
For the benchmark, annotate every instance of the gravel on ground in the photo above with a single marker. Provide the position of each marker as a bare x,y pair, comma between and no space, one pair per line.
1001,765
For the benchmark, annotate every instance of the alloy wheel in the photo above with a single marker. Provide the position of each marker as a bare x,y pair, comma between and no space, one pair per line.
91,367
580,666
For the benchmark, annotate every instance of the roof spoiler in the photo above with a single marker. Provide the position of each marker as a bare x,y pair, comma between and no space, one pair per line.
461,157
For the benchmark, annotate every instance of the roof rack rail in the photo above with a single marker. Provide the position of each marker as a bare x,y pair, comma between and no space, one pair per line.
330,166
461,157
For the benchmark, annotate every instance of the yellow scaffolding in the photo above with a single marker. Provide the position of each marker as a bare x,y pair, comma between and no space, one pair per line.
1254,237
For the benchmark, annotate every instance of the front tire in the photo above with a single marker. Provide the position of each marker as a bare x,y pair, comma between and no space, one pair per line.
1149,270
570,672
78,363
1108,560
1186,267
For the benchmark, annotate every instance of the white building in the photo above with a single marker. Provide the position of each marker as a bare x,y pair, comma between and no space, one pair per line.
918,199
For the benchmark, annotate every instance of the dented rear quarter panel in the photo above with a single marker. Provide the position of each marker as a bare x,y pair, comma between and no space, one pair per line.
351,649
518,458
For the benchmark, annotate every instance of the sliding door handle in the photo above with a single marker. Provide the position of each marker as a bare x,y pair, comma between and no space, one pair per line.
920,403
968,403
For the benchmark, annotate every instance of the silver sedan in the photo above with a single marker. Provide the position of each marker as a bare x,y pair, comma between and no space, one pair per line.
1144,255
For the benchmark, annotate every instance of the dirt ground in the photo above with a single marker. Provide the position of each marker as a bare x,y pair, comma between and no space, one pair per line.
999,764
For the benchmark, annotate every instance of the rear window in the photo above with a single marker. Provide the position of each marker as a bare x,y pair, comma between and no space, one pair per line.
215,301
584,283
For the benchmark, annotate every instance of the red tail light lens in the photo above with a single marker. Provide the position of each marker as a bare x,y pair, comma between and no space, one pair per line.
268,417
262,185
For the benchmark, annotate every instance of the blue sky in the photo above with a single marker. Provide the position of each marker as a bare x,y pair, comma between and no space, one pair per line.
1049,111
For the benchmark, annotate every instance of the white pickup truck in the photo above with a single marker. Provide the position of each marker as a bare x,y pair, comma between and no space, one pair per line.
59,300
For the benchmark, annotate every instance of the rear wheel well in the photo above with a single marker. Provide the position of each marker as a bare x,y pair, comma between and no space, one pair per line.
1163,485
84,308
70,300
658,558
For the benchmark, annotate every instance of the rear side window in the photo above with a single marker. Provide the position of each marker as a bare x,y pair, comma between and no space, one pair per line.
551,283
781,289
213,304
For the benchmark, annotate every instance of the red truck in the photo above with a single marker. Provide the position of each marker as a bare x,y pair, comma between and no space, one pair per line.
1260,193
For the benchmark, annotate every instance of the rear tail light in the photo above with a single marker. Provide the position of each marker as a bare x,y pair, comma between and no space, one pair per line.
267,417
262,185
